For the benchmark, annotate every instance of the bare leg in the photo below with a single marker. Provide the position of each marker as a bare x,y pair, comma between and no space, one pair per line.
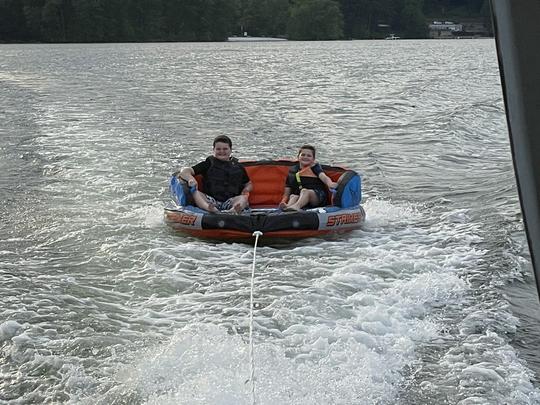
307,196
239,203
292,199
202,202
285,205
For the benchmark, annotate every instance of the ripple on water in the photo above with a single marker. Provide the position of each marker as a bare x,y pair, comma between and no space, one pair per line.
102,303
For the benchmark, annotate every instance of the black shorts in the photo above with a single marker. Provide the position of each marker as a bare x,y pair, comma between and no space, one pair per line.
321,195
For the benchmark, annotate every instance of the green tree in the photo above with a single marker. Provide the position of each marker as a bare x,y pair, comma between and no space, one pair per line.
12,21
53,22
214,20
364,18
146,20
413,21
485,12
88,21
32,15
265,17
315,20
116,24
217,20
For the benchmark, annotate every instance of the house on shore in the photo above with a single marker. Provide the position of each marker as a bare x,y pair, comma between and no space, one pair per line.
444,29
463,29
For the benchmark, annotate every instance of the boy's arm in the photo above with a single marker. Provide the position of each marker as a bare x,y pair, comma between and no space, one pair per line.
248,185
327,180
247,188
188,174
286,195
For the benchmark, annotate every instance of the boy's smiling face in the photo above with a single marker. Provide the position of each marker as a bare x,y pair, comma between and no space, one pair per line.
305,157
222,151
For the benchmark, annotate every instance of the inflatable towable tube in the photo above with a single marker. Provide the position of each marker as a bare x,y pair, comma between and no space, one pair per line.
268,178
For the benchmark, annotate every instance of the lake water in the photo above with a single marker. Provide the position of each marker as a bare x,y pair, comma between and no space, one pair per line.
432,302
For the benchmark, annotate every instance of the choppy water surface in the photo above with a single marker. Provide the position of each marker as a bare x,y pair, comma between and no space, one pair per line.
432,302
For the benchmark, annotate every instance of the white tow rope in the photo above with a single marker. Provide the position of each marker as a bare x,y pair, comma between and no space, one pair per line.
257,234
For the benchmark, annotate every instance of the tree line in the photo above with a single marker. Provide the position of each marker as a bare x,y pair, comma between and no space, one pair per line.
215,20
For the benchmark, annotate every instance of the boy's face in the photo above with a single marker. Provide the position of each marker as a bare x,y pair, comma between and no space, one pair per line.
222,151
305,157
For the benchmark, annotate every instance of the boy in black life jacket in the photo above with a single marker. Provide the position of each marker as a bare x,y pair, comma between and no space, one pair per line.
225,181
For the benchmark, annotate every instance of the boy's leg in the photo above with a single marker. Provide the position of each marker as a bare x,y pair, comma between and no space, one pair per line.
306,197
204,201
236,204
292,199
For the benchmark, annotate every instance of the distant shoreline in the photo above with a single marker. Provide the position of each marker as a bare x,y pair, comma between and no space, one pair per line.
237,39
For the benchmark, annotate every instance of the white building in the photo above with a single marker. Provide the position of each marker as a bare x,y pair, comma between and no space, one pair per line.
444,29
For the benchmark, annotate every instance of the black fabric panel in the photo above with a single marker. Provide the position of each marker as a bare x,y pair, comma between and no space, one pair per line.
264,222
226,221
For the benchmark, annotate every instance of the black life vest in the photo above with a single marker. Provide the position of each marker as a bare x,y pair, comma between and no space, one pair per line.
298,182
224,179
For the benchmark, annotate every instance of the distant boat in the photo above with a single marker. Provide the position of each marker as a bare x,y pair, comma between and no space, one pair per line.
254,39
392,36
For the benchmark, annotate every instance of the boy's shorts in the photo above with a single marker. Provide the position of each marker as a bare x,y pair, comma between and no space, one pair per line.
222,206
321,195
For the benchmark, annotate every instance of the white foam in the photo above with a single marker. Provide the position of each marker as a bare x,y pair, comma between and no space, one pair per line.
203,364
380,213
9,329
330,327
457,216
153,215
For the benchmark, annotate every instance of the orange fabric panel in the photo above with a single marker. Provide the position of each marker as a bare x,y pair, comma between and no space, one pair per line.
307,172
334,174
268,183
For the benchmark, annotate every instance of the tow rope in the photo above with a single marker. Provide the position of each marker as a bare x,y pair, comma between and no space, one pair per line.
256,234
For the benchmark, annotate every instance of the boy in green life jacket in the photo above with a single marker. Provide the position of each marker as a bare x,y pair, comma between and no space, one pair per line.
306,183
